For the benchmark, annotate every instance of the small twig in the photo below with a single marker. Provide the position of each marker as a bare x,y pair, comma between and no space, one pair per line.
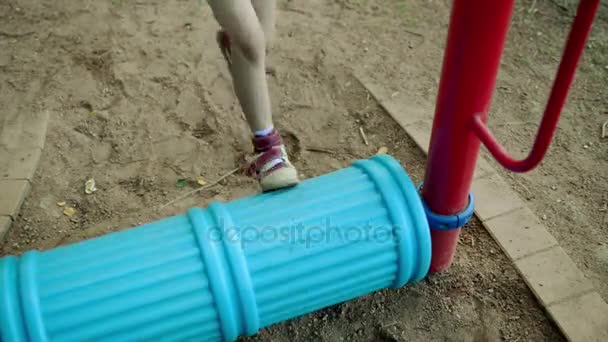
605,130
420,35
296,10
204,187
563,6
295,105
586,99
134,161
532,8
422,328
15,35
62,240
320,150
389,325
416,34
363,135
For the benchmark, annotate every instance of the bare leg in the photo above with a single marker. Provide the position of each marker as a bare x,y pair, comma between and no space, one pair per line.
239,19
247,63
266,11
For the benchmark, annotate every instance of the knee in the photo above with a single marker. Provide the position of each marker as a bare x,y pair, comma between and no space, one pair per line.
238,18
252,43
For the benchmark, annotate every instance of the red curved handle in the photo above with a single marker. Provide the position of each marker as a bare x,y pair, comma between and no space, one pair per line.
565,74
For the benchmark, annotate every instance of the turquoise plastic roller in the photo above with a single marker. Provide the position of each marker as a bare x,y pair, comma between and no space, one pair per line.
228,270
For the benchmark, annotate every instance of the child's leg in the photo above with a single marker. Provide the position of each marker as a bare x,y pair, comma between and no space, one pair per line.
248,52
265,10
239,19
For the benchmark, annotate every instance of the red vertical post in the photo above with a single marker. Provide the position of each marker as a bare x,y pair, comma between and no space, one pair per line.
476,37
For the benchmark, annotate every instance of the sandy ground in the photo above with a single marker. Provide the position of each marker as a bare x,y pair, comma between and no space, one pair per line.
139,98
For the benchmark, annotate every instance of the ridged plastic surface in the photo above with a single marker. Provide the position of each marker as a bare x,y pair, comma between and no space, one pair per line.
218,273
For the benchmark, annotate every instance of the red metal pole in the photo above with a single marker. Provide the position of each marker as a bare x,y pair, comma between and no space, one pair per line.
565,75
477,33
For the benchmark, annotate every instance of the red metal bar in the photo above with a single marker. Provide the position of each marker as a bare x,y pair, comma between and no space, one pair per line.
565,75
476,37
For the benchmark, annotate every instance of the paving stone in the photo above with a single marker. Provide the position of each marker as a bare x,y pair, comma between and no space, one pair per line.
552,275
402,108
483,168
20,163
12,195
494,197
24,130
520,233
406,113
5,224
582,318
420,132
415,119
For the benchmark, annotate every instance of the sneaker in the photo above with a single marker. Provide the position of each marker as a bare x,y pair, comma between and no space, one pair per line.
271,166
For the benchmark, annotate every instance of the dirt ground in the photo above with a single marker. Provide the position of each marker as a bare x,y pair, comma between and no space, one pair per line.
139,97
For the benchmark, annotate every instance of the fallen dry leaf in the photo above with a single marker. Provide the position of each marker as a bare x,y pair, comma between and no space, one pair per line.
89,186
69,211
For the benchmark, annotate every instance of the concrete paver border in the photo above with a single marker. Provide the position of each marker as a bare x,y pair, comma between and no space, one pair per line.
22,140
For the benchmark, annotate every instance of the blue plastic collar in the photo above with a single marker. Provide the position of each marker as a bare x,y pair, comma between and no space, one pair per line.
443,222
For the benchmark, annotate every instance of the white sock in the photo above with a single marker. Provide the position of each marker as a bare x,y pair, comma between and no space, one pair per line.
264,132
